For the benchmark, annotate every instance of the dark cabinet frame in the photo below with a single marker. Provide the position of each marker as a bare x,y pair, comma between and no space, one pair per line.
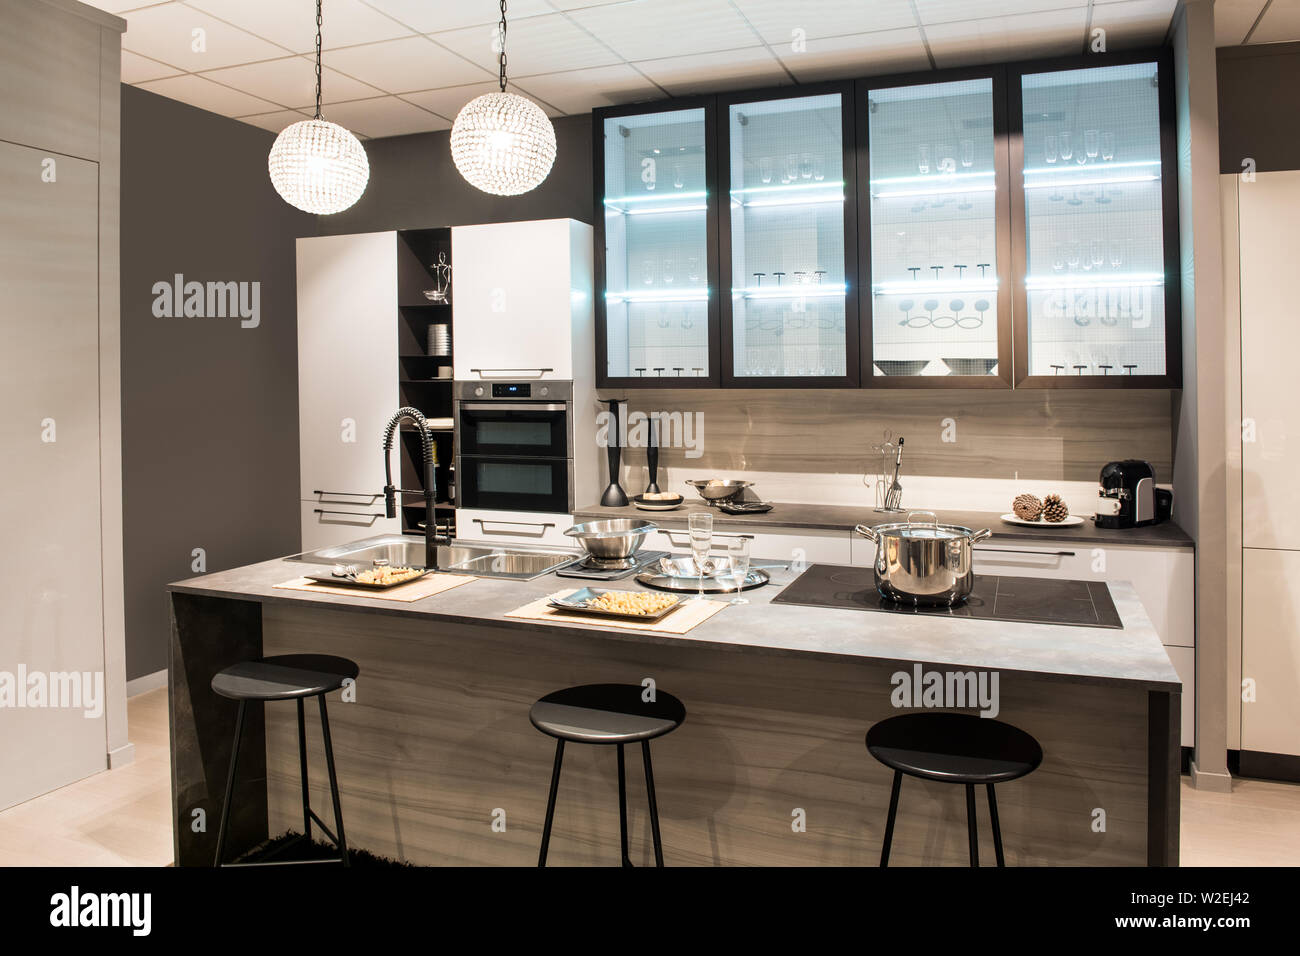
848,140
1003,227
1173,377
710,107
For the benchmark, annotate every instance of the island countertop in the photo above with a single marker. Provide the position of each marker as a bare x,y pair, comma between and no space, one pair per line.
1132,656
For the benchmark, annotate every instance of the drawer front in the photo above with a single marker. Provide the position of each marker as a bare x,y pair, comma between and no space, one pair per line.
328,522
518,527
809,548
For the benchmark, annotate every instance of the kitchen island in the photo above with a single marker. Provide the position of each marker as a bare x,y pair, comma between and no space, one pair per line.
438,763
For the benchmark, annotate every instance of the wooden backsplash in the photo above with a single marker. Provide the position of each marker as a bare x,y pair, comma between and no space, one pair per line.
1038,433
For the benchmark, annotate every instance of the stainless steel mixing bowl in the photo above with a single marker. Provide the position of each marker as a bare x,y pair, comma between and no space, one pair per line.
612,539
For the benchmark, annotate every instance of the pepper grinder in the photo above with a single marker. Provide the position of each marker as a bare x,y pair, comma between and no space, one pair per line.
652,458
614,496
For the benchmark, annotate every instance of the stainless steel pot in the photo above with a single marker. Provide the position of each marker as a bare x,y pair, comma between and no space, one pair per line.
613,539
924,563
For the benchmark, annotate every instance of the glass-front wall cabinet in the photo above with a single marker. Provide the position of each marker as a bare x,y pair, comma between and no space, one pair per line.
784,241
656,208
933,200
1094,281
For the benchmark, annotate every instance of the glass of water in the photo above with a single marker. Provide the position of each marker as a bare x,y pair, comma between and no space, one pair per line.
700,525
738,550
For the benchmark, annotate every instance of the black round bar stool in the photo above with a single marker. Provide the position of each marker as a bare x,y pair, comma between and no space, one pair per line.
286,677
953,748
607,714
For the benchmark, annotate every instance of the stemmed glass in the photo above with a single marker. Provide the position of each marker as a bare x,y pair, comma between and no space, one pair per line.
738,549
700,525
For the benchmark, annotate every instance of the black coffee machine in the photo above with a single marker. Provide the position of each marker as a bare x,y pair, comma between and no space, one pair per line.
1129,498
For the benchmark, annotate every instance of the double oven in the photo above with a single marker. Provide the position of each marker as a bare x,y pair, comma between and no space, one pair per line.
514,445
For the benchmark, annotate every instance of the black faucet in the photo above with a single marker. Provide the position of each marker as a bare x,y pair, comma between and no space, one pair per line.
416,418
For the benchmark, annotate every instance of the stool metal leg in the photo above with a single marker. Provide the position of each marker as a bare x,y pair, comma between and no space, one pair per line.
997,830
970,825
654,806
622,808
334,783
889,823
550,801
302,765
230,786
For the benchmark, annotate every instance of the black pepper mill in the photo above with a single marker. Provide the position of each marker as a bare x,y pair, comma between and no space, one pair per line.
614,496
652,457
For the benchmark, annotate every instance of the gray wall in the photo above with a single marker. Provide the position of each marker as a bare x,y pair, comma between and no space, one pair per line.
209,409
1256,84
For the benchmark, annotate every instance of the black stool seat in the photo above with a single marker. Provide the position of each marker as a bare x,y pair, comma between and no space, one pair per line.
606,714
954,748
284,677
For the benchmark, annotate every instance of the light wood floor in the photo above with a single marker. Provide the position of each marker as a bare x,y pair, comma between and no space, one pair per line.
122,817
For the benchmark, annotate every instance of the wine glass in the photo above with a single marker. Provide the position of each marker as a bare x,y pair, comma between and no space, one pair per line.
700,525
738,550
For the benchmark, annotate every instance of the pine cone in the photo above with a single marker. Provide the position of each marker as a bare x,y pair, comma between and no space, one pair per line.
1027,507
1054,509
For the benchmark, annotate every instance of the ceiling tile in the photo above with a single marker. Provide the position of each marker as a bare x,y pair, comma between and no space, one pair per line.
580,91
1280,24
645,30
292,23
166,33
953,11
138,69
384,116
118,6
862,54
276,121
997,39
448,101
776,20
207,95
535,45
710,72
1134,23
291,82
414,63
1233,20
425,17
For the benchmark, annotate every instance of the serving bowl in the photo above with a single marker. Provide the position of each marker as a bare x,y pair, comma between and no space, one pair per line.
714,489
611,539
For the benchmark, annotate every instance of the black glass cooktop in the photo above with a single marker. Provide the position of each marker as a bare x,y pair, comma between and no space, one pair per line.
994,598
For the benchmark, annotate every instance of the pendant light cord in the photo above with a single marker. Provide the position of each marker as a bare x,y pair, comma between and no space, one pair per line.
503,46
318,25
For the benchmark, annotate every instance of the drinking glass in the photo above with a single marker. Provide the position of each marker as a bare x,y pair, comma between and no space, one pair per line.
806,166
1049,149
923,159
667,273
1107,146
967,153
700,525
819,168
1097,253
679,178
1090,143
1067,150
765,169
648,272
791,167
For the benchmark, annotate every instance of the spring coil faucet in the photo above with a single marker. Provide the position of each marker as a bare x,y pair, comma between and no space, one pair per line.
416,418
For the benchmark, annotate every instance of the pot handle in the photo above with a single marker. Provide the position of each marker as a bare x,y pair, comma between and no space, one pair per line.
867,532
933,516
981,535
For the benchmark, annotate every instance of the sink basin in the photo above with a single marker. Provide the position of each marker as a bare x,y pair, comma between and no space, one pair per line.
518,562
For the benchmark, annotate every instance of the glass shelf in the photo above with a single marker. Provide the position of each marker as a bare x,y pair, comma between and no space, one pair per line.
786,229
1094,219
933,207
656,206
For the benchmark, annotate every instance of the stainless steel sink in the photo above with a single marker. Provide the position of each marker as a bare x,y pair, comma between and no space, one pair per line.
518,562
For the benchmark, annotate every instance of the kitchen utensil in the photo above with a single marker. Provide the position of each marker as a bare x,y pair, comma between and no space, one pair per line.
901,366
714,490
924,564
611,539
1071,521
614,497
894,494
577,601
652,457
657,504
441,272
736,507
970,366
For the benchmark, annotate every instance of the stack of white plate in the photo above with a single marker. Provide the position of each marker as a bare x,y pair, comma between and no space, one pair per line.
439,340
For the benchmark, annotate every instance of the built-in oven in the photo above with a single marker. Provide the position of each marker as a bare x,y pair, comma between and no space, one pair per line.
514,446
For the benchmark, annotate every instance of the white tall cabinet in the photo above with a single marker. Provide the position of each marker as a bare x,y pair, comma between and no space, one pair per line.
347,383
1263,257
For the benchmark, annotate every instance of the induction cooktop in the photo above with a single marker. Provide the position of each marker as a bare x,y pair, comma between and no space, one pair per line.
993,598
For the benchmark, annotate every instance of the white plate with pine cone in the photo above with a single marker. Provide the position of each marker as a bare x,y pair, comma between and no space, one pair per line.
1069,521
1032,512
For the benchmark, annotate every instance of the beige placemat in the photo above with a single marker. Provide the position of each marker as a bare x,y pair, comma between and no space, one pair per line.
690,614
417,590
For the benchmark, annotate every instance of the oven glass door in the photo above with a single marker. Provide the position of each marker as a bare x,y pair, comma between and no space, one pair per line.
535,429
514,483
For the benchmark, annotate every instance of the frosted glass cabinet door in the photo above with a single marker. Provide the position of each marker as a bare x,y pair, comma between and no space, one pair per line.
939,250
656,312
784,233
1095,162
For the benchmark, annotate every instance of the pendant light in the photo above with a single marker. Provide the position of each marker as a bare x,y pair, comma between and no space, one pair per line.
315,165
503,143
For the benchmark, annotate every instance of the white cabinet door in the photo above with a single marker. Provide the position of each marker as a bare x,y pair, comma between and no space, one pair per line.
1270,651
811,547
514,527
512,289
328,522
347,361
1270,342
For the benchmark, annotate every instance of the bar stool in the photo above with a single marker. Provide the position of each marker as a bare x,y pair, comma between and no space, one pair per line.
286,677
607,714
953,748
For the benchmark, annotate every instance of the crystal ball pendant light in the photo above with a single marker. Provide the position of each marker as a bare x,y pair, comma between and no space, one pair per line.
503,143
315,165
